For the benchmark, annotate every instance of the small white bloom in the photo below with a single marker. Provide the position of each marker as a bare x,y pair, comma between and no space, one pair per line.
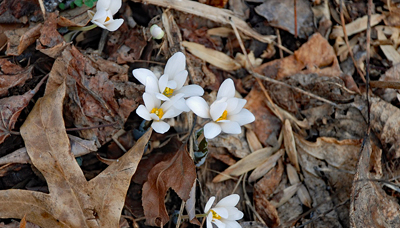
156,32
105,9
225,213
171,82
227,111
154,110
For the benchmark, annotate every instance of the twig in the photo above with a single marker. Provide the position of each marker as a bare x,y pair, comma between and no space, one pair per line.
367,64
295,19
346,39
278,35
292,87
42,8
248,202
88,128
178,223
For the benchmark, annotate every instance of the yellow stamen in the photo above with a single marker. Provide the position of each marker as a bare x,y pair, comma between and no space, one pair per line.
223,116
168,92
215,215
158,111
107,19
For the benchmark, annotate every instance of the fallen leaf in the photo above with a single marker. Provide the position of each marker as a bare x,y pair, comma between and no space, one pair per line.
290,145
73,201
371,206
267,165
356,26
177,172
74,17
280,13
213,57
262,191
11,108
12,75
20,39
315,56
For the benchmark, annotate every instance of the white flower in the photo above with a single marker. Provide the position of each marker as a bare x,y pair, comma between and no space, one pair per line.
105,9
224,214
156,32
171,82
227,111
154,110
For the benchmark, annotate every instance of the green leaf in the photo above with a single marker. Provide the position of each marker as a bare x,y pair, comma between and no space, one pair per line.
78,2
72,5
89,3
61,6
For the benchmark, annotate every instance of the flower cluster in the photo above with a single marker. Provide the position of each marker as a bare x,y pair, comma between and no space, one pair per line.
225,213
165,96
105,10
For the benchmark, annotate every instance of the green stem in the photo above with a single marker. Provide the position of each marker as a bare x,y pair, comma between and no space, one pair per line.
197,216
86,28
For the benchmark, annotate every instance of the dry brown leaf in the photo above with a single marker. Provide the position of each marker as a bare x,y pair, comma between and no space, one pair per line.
282,197
280,13
340,154
20,39
74,17
371,206
177,172
73,201
242,60
79,147
10,108
213,57
302,193
290,145
315,56
50,38
93,99
267,165
253,141
246,164
263,189
12,75
356,26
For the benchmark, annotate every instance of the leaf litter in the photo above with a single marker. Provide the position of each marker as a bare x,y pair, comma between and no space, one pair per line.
303,162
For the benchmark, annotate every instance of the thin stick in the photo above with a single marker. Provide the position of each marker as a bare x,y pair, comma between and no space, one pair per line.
278,35
346,40
292,87
88,128
248,202
42,8
367,64
295,19
178,223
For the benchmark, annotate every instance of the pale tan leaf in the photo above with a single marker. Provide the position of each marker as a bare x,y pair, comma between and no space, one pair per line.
267,165
290,144
284,196
356,26
302,193
212,56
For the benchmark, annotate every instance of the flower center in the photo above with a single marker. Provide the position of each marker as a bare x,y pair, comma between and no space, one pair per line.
215,215
107,19
223,116
168,92
158,111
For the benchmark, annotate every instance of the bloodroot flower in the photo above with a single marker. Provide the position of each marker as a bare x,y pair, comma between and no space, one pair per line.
154,110
225,213
227,112
104,14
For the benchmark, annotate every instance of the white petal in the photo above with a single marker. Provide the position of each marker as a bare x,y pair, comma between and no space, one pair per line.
172,112
162,97
227,89
231,127
221,211
211,130
217,108
231,224
143,112
170,103
229,201
209,219
141,74
113,25
160,126
154,116
149,101
115,6
199,106
209,204
232,104
243,117
191,90
234,213
151,85
240,105
100,16
175,64
219,223
99,24
103,4
163,82
171,84
181,105
180,78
